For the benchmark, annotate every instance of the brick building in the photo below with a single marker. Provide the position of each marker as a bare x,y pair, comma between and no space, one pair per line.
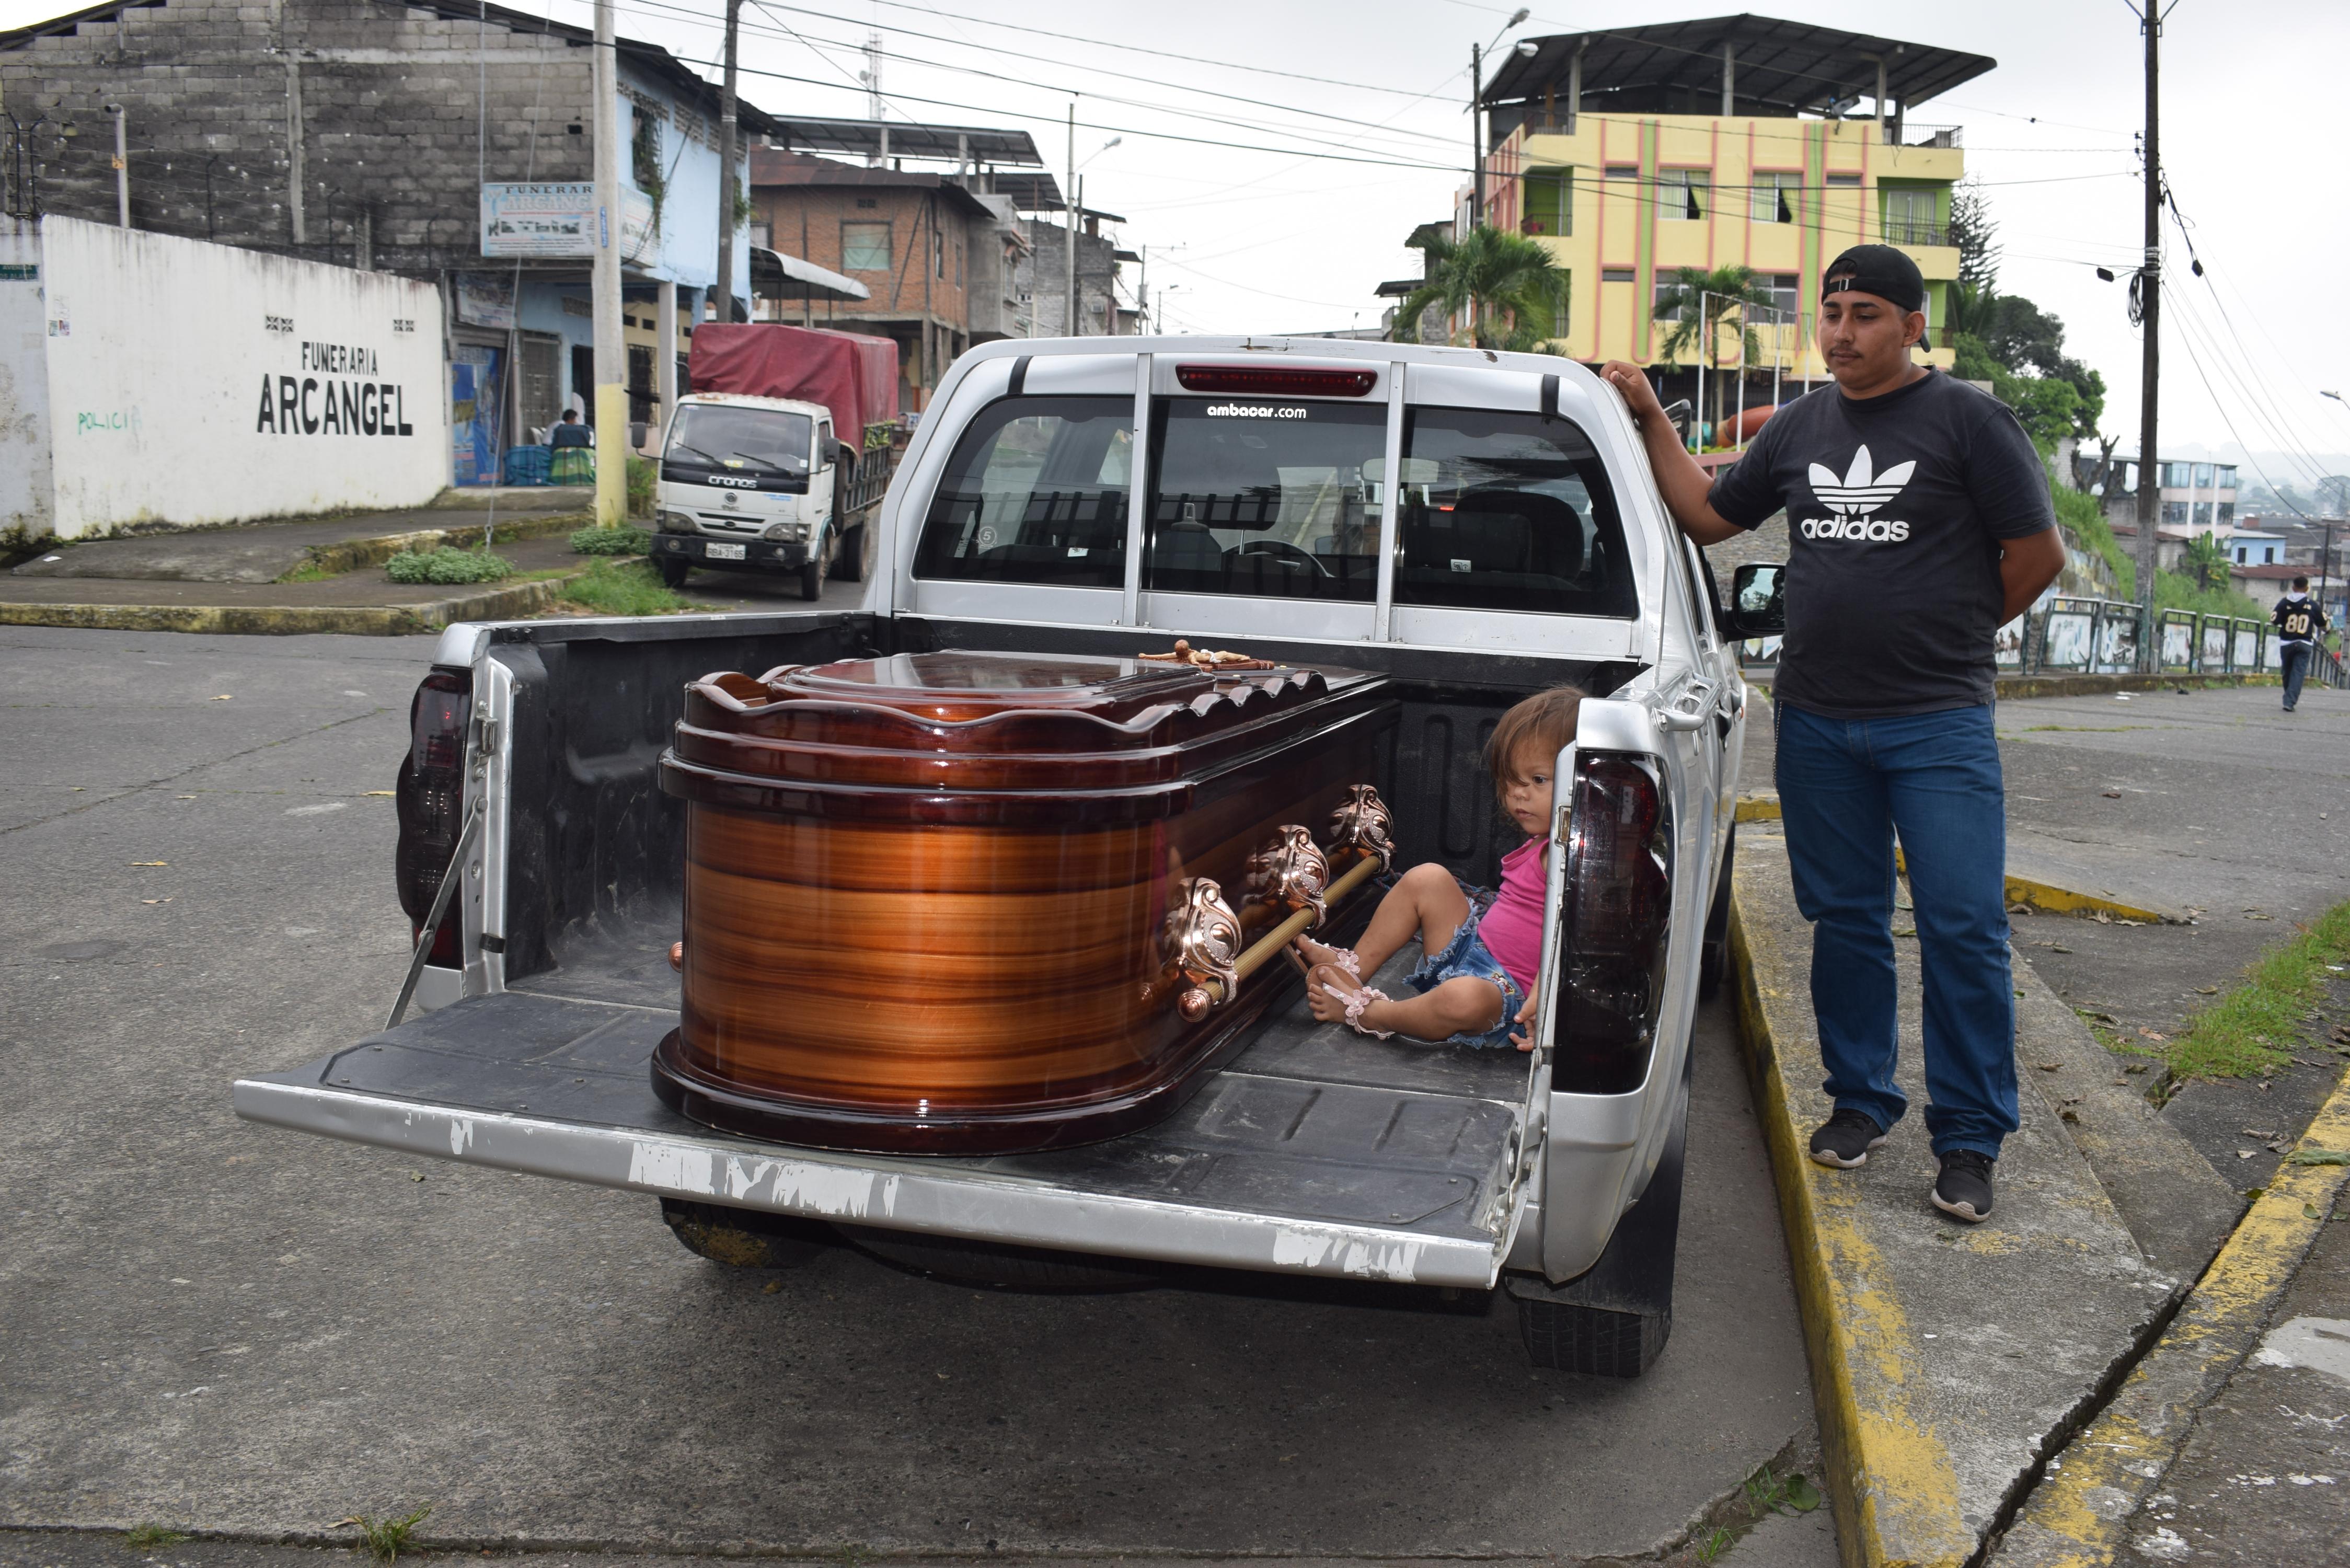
360,133
918,241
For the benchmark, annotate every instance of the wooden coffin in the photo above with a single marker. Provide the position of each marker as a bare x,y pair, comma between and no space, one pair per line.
979,903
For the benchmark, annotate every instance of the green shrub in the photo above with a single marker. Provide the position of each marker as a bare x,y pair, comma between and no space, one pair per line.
643,473
621,588
625,540
447,565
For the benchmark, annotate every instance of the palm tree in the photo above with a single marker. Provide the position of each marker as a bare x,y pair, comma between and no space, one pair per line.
1506,285
1697,304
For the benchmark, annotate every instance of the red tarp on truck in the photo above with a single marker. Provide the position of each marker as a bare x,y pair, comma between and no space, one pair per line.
854,374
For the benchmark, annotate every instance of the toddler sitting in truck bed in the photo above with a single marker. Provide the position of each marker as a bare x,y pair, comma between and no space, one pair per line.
1476,976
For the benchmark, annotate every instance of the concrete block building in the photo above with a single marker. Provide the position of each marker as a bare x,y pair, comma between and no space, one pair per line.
364,133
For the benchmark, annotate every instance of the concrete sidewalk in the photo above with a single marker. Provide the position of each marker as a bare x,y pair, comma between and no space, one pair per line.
231,580
1949,1362
264,552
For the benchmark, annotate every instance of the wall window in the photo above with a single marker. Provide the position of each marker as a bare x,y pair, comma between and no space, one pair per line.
1682,193
1616,274
763,235
1565,320
1665,295
1036,493
1912,217
864,247
2226,476
1507,512
1786,293
1549,202
1844,182
644,151
1774,198
1623,171
2203,476
2174,512
2175,475
2227,512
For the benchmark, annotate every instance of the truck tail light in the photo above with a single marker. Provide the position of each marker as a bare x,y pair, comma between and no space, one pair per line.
1615,923
430,801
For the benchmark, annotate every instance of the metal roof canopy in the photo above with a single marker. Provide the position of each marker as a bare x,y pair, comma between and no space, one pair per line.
774,276
1041,193
862,138
1781,67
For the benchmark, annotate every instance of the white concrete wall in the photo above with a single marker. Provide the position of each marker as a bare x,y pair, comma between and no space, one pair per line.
25,489
192,383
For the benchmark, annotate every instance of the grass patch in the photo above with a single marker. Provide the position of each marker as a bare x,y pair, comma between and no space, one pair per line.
146,1537
309,572
2255,1028
447,565
384,1538
644,476
625,540
621,588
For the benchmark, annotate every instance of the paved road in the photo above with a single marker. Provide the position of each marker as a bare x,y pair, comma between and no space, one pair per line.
236,1329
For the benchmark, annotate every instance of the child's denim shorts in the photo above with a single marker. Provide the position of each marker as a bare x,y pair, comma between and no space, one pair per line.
1466,954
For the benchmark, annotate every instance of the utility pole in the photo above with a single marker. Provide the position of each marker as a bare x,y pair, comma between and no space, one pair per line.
611,406
122,166
2150,451
1476,138
727,198
1069,215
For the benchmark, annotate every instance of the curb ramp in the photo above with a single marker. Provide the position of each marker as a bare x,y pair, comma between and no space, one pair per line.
1947,1361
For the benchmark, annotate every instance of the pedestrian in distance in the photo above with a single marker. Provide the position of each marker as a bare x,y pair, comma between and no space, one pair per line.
2300,621
1919,522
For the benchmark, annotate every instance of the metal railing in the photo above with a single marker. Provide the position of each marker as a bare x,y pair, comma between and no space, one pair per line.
2100,636
1928,136
1909,231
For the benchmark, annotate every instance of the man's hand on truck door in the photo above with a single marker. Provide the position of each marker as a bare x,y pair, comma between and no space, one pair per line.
1684,485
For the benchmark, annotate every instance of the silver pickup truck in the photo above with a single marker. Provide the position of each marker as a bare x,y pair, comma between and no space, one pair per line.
1236,491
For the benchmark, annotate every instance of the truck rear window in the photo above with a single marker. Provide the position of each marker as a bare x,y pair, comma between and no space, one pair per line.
1035,492
1264,498
1509,512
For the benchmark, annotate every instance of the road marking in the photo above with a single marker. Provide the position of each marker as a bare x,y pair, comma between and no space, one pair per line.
2076,1517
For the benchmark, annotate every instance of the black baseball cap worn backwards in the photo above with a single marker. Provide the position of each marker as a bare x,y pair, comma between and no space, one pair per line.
1881,270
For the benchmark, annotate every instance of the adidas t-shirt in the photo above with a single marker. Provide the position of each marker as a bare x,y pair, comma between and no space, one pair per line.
1896,507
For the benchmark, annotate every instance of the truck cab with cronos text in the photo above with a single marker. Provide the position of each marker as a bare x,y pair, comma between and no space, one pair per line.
1444,531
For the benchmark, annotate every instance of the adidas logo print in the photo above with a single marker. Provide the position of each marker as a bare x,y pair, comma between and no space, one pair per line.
1852,498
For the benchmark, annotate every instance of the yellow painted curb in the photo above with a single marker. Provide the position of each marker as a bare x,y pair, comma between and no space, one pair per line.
2058,900
2076,1517
1897,1493
1761,806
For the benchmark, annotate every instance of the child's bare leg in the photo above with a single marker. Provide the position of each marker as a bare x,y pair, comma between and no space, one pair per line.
1425,902
1461,1005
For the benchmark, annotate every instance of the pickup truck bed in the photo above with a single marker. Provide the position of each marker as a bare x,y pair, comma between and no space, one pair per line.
1314,1150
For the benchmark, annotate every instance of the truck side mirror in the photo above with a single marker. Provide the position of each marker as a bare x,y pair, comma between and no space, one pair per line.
1758,600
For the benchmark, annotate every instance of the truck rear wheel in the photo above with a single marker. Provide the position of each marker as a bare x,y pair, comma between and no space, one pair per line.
672,570
856,558
812,581
1613,1320
744,1237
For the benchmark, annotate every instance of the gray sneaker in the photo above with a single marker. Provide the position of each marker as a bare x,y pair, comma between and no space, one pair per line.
1844,1139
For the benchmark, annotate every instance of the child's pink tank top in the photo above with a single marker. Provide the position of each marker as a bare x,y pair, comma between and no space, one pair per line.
1511,928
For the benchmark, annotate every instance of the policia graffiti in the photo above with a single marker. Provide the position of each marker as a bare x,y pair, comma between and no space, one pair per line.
332,404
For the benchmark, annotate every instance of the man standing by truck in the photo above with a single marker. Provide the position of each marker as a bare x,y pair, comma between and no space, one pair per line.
1918,523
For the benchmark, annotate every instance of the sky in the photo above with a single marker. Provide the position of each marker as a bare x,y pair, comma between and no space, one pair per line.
1273,154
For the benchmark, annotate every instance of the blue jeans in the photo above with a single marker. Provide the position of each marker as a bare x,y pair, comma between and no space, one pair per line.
1845,787
2294,657
1466,954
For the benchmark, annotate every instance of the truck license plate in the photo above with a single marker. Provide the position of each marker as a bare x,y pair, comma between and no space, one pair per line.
727,552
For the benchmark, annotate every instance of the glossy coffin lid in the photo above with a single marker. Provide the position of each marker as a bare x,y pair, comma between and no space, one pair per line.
926,894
